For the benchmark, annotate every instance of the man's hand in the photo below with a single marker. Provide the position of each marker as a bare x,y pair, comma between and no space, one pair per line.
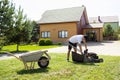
82,53
86,51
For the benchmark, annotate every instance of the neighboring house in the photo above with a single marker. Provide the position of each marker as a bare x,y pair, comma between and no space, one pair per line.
112,20
60,24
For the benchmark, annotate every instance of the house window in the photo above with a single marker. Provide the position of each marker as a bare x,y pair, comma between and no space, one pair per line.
63,34
46,34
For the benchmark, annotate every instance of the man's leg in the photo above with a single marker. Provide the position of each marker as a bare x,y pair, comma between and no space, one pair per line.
75,47
68,54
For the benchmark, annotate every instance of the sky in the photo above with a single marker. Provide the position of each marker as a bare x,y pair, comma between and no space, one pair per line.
35,8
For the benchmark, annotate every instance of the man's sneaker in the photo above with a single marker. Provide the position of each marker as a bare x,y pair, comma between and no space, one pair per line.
67,60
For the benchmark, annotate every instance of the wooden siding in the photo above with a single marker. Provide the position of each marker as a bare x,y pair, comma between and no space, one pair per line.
81,24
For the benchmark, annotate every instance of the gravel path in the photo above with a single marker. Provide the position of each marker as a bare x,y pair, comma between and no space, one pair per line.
102,48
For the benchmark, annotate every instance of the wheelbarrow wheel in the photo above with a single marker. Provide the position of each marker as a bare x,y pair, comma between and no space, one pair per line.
43,62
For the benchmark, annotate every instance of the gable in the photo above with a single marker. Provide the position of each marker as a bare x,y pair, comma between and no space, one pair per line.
62,15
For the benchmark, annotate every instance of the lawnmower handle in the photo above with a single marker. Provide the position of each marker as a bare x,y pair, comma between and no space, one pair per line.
86,51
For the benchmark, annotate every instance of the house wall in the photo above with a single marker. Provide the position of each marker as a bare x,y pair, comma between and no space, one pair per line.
56,27
81,24
98,30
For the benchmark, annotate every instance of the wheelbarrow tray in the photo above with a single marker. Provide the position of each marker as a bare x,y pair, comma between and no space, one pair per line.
32,56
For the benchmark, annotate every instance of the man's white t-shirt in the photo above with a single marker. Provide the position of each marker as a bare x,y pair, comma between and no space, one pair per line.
76,39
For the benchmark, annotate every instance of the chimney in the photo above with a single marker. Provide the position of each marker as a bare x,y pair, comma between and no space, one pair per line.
99,19
83,6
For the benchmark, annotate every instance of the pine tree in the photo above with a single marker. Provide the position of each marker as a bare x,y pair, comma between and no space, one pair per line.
6,20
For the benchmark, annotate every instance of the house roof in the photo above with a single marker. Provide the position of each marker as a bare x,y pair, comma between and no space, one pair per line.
94,25
62,15
103,19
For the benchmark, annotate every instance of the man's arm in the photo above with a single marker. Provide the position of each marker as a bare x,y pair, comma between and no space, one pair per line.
80,47
84,41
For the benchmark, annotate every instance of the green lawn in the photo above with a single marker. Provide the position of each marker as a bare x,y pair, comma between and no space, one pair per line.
24,48
60,69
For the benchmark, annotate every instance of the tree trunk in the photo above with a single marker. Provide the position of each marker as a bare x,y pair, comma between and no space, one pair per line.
17,47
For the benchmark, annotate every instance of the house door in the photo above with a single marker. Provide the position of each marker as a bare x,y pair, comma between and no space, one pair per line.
91,35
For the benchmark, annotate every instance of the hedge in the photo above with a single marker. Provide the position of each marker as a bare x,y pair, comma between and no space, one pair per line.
44,42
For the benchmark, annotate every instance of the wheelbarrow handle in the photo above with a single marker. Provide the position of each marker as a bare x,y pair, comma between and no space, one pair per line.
13,55
48,55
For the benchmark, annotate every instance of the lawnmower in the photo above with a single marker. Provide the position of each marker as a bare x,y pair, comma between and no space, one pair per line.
87,57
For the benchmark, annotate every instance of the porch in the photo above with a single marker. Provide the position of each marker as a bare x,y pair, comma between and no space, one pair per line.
93,32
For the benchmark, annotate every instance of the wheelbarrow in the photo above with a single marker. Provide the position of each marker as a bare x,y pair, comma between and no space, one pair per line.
32,57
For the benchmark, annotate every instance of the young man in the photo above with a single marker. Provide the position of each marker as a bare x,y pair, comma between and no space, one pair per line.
74,41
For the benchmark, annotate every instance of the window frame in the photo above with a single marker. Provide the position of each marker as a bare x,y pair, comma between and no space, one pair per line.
45,34
63,34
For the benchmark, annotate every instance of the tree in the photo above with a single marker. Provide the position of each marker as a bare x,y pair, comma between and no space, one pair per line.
6,15
14,26
108,31
21,32
35,32
6,19
28,27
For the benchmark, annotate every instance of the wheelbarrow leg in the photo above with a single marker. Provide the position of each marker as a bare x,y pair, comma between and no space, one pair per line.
32,65
26,66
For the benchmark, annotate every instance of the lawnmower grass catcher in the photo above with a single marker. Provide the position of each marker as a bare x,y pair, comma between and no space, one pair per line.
86,57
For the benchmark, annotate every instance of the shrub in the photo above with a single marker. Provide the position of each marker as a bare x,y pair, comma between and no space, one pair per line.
48,42
2,42
42,42
59,43
115,36
119,37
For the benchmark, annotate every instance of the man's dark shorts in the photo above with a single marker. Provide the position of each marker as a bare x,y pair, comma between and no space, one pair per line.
71,45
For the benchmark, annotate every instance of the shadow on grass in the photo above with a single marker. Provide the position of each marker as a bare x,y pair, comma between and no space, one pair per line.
19,52
32,71
83,63
4,51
